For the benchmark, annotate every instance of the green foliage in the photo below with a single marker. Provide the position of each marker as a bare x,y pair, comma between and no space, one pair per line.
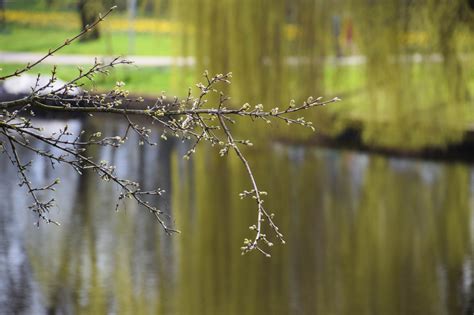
414,104
254,39
280,50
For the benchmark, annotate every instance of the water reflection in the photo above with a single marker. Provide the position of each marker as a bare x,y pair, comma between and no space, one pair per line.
366,235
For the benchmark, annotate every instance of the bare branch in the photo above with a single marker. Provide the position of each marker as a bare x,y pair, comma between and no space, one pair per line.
197,119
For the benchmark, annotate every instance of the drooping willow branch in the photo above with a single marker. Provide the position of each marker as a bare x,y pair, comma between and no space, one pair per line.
201,118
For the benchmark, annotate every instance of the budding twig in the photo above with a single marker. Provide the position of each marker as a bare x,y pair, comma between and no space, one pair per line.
201,118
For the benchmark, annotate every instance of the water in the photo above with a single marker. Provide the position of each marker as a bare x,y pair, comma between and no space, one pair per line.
365,234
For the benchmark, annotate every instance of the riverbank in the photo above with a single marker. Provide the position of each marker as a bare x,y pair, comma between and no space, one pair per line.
351,139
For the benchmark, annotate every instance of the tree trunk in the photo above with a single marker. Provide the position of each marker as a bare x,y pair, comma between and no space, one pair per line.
89,11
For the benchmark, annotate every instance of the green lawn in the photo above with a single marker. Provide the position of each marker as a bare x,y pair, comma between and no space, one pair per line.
139,81
22,38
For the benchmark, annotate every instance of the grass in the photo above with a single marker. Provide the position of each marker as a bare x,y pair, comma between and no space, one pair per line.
139,81
19,38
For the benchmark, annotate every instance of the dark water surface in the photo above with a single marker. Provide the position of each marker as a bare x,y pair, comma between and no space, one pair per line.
365,235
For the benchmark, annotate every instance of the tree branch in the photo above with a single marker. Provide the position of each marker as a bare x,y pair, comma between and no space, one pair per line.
195,118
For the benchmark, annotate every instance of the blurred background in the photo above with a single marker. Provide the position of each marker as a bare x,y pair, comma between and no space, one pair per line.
376,206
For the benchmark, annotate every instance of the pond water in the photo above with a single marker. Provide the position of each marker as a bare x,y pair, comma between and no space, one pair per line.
365,234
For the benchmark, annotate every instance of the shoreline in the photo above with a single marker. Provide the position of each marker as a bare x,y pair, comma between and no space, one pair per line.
351,140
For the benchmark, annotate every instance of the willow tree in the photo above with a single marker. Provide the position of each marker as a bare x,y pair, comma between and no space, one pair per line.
413,100
274,47
413,93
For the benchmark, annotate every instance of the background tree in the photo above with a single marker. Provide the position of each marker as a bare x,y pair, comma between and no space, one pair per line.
88,11
400,48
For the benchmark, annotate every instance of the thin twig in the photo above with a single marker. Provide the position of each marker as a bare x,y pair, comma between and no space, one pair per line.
67,42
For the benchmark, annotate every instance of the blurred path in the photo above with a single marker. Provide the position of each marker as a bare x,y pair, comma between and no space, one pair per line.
168,61
143,61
